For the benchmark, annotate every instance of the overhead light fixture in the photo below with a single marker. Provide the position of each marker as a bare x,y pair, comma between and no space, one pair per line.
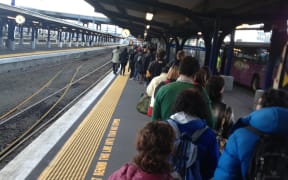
242,26
253,26
149,16
199,33
147,26
35,22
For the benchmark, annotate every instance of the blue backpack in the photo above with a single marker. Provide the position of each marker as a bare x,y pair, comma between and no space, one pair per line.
184,161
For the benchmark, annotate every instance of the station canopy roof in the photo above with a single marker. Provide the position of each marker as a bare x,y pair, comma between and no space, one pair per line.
38,20
185,18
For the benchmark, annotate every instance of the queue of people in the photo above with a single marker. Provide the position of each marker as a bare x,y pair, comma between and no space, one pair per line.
191,104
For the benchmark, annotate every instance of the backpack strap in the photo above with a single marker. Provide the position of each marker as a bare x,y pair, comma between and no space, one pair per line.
195,136
198,133
174,124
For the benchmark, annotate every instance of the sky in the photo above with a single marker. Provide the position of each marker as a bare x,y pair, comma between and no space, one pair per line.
80,7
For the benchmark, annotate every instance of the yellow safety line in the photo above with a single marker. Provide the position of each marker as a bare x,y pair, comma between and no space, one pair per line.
75,157
40,52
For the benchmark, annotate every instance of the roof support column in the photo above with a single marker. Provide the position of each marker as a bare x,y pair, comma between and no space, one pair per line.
167,41
100,40
207,41
65,38
178,47
97,39
228,60
69,39
1,34
36,36
10,40
33,41
218,37
48,38
60,45
57,38
183,41
92,40
197,51
77,39
278,40
87,40
105,40
72,38
83,39
213,51
21,35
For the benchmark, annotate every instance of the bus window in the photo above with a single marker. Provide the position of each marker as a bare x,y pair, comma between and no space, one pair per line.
249,64
262,56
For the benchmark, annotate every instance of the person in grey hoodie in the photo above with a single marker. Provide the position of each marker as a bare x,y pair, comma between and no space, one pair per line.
115,59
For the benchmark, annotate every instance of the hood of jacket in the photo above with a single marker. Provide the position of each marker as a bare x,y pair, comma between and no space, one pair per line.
183,118
187,123
269,119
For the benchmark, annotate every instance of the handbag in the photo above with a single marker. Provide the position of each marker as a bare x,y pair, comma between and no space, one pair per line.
143,104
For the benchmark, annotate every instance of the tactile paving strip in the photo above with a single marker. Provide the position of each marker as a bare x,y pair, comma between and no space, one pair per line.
75,157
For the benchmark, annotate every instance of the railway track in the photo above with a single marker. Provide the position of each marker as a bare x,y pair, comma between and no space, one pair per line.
22,123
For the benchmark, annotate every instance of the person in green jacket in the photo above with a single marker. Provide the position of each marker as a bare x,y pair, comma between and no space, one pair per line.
166,95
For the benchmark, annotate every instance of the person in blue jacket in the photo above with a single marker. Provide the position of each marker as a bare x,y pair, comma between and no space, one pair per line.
270,118
189,112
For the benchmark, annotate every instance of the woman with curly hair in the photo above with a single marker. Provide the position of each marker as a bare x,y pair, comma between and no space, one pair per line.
154,144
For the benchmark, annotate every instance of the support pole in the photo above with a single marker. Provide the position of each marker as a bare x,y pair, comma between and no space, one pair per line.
229,55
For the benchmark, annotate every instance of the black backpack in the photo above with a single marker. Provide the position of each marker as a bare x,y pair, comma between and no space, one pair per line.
270,157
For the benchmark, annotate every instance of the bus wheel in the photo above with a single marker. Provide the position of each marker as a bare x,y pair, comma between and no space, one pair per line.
255,83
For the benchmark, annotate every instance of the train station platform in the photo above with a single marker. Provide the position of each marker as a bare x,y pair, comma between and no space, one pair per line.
97,135
25,58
